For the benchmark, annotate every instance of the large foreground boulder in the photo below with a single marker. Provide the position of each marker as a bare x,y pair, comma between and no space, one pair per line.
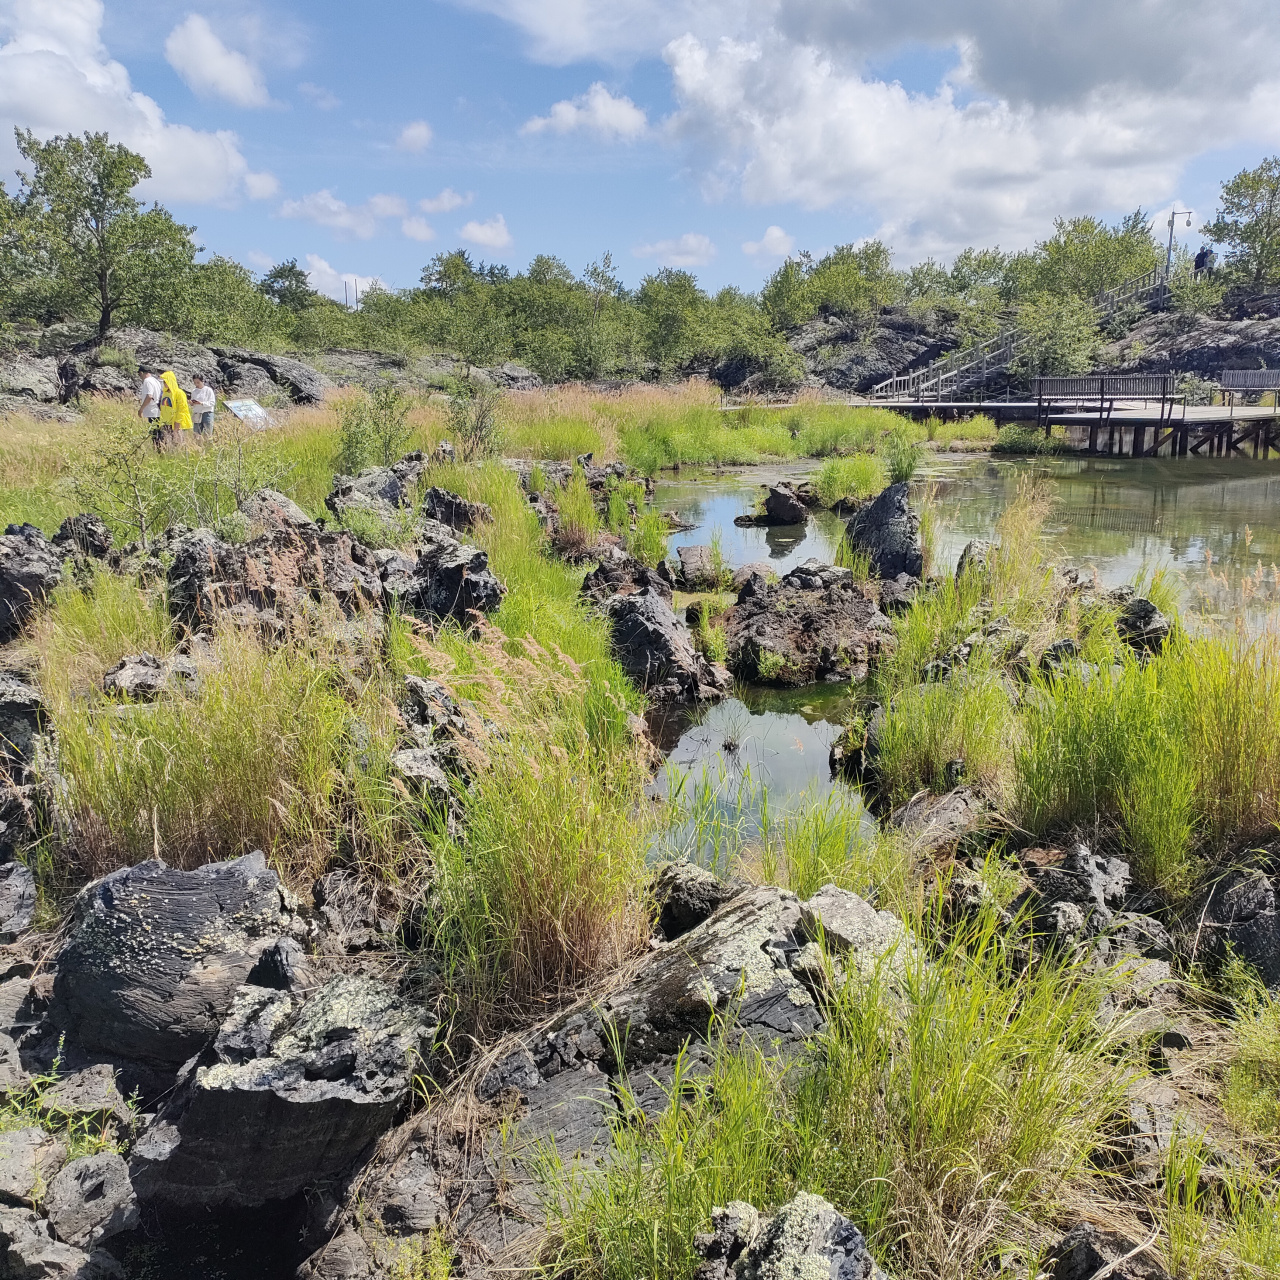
30,568
888,531
743,971
815,624
22,721
656,650
30,1251
270,576
293,1090
155,955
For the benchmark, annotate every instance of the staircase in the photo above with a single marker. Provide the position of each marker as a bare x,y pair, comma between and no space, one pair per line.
967,369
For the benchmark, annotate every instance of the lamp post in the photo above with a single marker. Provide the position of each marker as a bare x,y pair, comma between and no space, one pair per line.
1168,255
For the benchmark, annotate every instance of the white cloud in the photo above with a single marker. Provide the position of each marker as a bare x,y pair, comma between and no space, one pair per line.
324,279
418,229
692,249
210,69
775,243
261,186
263,261
596,111
319,97
56,77
415,136
361,221
488,235
1046,109
446,201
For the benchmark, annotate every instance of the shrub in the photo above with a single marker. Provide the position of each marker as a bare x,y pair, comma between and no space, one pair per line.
769,665
473,417
1018,437
373,429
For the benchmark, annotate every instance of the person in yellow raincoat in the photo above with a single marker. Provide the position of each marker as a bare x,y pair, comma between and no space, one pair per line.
175,413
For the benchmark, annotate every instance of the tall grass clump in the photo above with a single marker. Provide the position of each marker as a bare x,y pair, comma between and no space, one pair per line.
1251,1096
967,720
580,523
902,454
254,758
1225,696
648,540
1103,752
542,888
858,476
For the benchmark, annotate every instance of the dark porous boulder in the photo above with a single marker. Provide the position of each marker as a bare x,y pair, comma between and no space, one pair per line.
29,1251
143,676
697,569
1088,1250
450,579
1238,915
782,505
155,955
621,574
746,572
92,1199
17,900
898,594
30,568
290,1092
83,536
1141,625
302,383
655,649
888,531
807,1238
22,721
935,824
815,624
454,510
1077,897
270,509
686,894
975,559
273,574
381,490
28,1159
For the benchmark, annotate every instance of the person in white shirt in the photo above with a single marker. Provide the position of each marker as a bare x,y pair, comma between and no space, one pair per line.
202,405
149,404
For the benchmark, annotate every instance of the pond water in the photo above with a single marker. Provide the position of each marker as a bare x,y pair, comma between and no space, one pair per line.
1213,525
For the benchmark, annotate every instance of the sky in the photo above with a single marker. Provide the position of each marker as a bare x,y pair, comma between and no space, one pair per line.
717,135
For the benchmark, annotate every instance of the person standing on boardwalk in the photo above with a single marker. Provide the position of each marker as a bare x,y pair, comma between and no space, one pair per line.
202,406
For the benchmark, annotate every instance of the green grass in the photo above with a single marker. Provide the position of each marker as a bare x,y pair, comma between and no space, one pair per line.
648,540
1251,1093
857,476
944,1110
968,717
1018,437
555,439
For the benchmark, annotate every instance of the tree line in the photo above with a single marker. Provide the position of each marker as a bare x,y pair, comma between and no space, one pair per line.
77,244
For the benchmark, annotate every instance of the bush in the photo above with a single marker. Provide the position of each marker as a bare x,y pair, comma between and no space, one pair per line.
473,418
648,541
1018,437
373,429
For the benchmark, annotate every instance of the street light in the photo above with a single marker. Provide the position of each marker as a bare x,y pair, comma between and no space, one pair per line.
1168,256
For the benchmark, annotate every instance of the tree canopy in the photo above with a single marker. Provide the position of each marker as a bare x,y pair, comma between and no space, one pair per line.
1248,223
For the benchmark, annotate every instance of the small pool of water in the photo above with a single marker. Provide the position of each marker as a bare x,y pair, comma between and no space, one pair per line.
1213,525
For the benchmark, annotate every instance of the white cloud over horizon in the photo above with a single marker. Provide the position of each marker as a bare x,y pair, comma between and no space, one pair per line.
693,249
325,279
210,69
1039,110
597,111
775,243
418,229
488,235
56,77
357,221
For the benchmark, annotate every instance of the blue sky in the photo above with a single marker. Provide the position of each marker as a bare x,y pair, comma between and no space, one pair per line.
712,135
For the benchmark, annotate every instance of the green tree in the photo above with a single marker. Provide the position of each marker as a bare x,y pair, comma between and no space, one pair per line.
672,308
287,285
105,251
448,274
1085,256
1248,223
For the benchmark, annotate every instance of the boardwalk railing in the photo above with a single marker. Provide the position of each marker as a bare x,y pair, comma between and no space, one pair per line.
969,367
